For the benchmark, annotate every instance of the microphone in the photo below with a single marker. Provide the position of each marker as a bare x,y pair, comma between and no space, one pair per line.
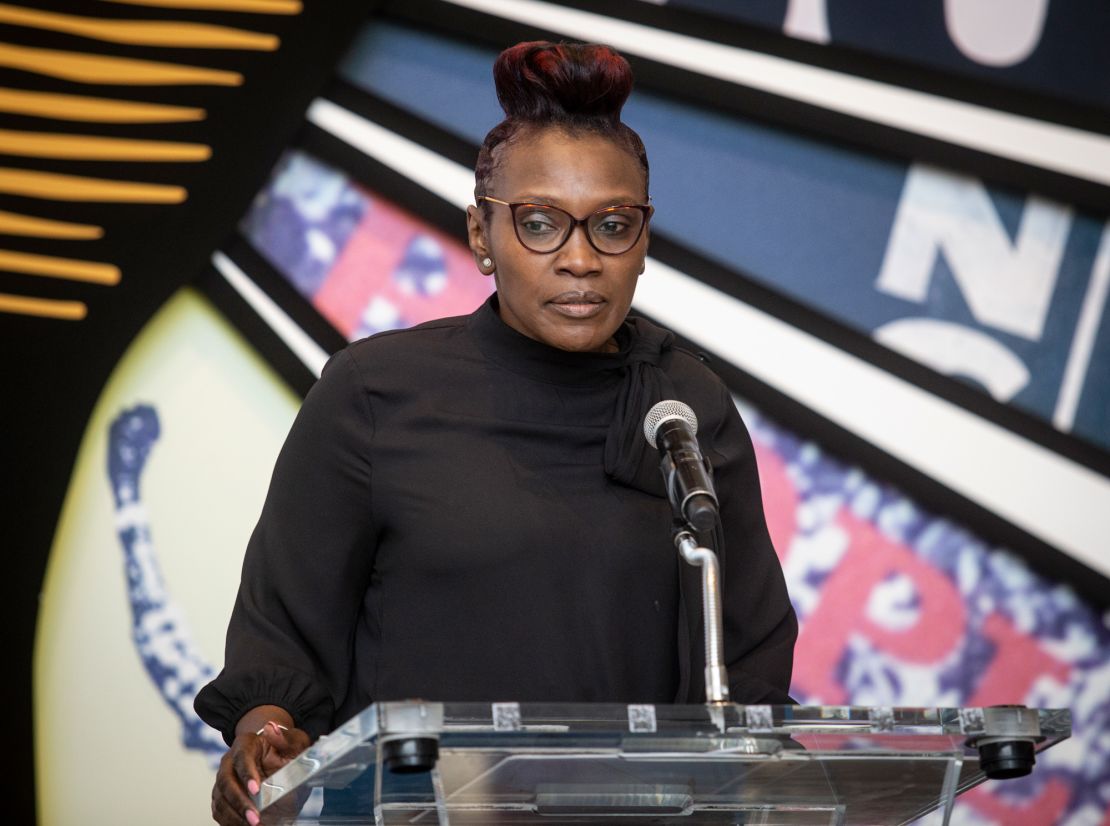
671,427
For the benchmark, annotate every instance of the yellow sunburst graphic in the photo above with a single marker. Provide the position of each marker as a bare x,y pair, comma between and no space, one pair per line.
80,68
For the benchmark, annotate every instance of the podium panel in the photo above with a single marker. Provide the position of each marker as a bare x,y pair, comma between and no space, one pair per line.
466,764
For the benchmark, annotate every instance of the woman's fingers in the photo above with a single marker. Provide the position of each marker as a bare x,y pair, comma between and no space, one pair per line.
296,741
226,814
280,746
246,759
251,758
237,778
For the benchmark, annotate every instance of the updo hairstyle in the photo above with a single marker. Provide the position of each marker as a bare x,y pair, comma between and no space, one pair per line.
577,87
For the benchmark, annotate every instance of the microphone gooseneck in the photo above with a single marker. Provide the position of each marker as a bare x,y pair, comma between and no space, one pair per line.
671,427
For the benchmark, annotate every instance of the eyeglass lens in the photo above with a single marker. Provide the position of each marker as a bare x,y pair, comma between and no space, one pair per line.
546,228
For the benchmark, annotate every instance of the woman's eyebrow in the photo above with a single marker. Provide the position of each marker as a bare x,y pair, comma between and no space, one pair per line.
536,199
545,200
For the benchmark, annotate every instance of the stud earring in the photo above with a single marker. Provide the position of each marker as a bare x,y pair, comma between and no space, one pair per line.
487,262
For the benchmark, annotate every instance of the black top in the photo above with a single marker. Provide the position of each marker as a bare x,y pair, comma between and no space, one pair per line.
463,513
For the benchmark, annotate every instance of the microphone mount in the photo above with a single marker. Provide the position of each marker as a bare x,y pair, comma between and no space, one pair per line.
716,676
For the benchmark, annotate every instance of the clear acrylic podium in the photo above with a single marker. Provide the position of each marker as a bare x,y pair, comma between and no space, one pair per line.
465,764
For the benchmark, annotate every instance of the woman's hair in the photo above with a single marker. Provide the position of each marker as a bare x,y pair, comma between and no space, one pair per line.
571,86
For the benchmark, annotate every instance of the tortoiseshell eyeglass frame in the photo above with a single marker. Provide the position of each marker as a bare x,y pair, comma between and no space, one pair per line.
646,209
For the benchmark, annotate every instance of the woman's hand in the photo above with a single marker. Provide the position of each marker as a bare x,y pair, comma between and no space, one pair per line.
253,756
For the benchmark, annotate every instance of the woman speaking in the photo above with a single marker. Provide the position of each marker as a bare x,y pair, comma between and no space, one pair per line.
468,510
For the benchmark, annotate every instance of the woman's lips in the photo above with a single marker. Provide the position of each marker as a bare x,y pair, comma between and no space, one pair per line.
578,304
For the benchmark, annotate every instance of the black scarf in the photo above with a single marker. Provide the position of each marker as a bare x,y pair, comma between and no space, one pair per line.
629,459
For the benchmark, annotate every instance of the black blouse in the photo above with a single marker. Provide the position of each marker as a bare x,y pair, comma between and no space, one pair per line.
463,513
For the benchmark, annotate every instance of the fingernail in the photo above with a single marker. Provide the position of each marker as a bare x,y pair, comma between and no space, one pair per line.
277,728
252,786
252,817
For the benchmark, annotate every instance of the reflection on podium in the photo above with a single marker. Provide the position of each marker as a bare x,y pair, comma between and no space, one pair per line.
418,762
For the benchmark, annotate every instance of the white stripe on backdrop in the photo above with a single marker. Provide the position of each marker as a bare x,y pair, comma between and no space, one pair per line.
1051,146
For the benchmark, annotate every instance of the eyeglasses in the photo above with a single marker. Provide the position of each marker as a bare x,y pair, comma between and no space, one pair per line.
545,228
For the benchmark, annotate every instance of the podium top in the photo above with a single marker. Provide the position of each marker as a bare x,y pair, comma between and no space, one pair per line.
696,763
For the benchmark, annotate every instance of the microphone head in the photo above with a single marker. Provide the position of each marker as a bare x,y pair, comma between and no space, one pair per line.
665,411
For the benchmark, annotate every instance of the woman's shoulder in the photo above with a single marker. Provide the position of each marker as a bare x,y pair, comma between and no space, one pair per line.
395,359
698,384
416,342
689,369
695,366
424,333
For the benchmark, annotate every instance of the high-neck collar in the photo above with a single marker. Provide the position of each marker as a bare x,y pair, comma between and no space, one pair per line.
525,356
636,370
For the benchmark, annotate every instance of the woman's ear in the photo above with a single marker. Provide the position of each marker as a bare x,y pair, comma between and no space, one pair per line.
477,238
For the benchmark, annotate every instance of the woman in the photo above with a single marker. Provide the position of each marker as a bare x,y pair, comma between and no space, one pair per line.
467,510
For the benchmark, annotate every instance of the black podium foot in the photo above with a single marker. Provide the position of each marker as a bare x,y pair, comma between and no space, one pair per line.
409,755
1006,759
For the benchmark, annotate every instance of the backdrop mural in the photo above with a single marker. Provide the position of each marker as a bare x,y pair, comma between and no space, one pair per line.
142,572
920,274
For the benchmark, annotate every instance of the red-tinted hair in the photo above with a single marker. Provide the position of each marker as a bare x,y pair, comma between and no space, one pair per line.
577,87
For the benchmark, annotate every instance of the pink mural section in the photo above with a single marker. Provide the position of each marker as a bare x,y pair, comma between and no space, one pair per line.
900,607
365,263
396,272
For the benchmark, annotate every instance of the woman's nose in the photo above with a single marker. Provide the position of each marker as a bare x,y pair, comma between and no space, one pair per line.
577,256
